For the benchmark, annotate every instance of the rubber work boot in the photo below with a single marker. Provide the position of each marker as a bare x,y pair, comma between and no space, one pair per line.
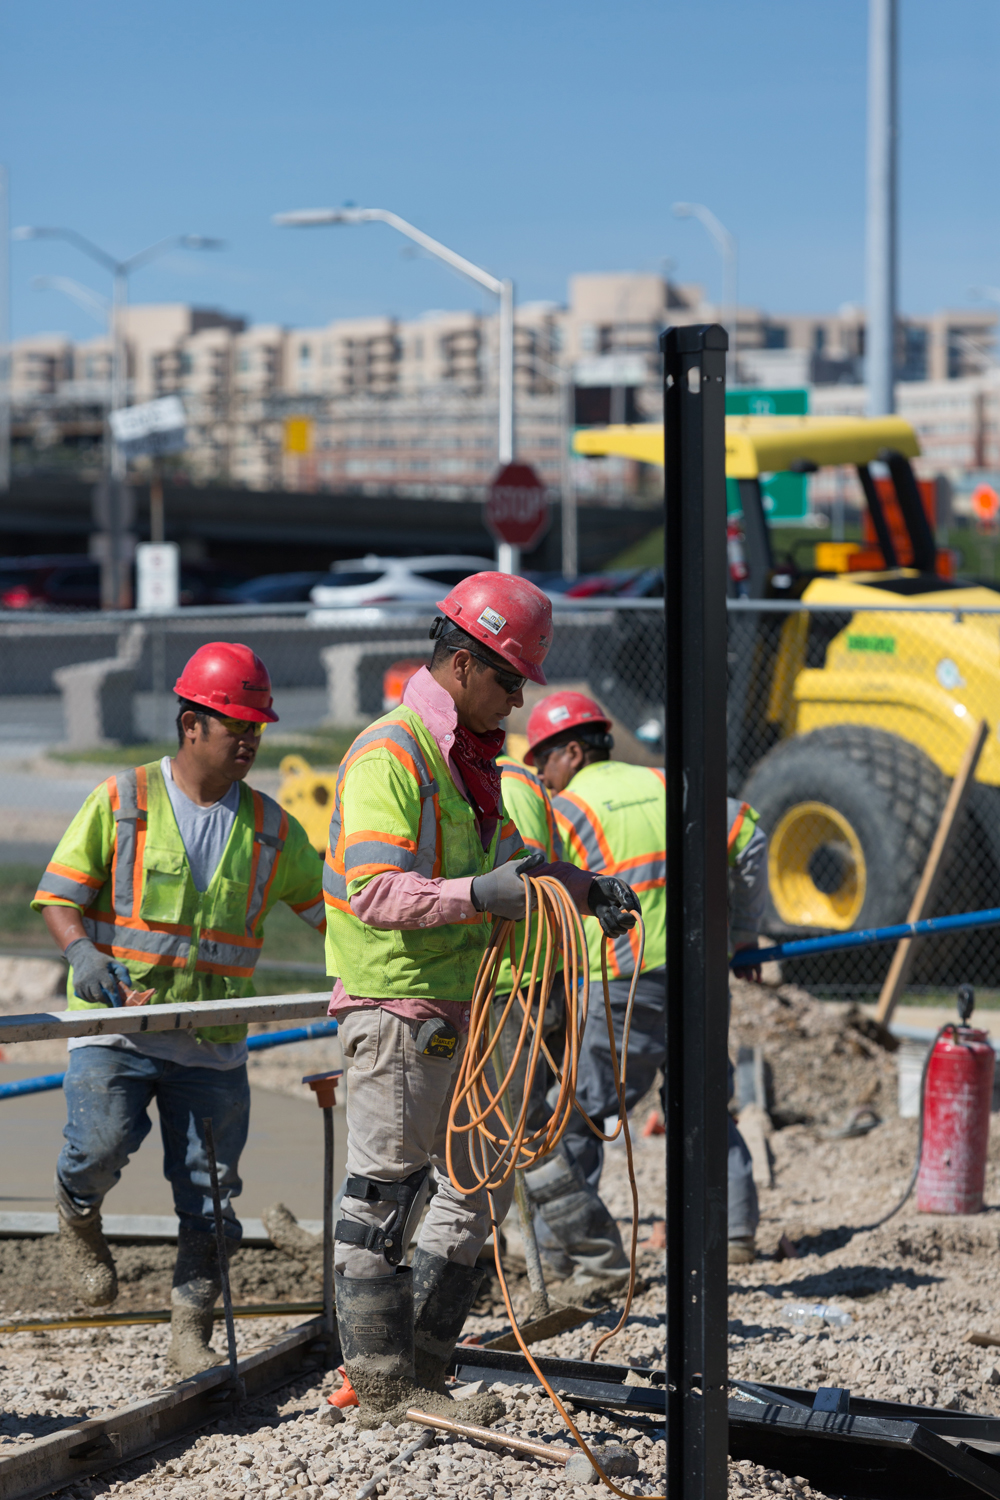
90,1270
443,1294
742,1250
375,1321
575,1221
197,1286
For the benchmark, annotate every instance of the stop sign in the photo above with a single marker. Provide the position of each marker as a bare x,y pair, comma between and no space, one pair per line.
517,511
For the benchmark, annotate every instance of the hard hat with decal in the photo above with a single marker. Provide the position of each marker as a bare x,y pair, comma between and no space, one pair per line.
556,714
506,613
230,678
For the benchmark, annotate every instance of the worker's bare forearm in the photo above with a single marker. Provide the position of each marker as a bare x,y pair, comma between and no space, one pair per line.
65,925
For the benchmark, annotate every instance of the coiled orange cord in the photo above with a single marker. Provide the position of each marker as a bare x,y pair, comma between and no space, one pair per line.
496,1153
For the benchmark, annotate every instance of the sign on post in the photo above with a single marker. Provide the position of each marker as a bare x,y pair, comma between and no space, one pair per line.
785,496
157,575
150,428
517,509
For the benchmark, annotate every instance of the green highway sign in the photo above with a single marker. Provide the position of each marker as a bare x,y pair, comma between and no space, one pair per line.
785,496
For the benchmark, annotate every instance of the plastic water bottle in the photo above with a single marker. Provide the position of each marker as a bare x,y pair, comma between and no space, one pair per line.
799,1312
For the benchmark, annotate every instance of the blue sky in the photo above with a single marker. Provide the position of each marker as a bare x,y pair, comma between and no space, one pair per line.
538,139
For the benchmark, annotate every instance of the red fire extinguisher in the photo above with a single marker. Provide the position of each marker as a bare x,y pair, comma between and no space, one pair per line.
958,1090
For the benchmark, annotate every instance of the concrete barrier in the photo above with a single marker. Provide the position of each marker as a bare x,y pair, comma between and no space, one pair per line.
97,695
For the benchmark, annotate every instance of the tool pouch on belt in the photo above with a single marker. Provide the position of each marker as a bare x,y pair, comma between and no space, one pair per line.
391,1238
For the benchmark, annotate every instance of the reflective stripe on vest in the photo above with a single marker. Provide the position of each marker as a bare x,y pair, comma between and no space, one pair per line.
371,852
587,841
125,934
735,826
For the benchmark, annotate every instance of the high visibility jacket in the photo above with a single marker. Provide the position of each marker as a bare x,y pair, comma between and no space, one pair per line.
613,821
122,862
527,801
396,807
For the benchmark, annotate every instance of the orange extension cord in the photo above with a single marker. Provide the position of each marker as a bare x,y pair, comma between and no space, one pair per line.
560,931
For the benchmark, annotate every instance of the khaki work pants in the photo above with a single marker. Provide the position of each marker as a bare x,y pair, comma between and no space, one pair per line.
397,1117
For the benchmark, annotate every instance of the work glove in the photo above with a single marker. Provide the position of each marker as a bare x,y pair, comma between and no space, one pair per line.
606,898
95,976
501,892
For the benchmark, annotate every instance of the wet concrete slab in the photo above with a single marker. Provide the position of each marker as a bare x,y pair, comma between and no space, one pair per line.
283,1160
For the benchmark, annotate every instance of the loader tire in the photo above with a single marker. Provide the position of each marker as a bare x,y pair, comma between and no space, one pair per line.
850,813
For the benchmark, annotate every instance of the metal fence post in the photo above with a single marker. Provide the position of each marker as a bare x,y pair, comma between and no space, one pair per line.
695,742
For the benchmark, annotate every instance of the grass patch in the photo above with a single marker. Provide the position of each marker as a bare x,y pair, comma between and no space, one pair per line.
322,748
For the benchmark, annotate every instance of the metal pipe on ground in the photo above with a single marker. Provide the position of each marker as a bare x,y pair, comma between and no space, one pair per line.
835,942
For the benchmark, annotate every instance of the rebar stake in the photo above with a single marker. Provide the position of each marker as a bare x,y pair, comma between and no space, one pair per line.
220,1244
324,1086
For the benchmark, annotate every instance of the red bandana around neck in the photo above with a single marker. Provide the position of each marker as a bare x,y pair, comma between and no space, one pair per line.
476,758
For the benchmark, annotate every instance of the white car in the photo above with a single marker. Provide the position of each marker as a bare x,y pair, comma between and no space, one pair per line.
363,581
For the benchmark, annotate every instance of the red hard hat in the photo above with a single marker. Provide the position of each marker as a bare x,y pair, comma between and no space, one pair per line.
506,613
230,678
560,712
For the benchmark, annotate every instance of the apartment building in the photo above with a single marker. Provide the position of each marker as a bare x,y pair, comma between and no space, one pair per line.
410,405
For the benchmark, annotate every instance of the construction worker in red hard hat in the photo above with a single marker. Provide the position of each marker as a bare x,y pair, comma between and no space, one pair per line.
611,817
158,893
422,856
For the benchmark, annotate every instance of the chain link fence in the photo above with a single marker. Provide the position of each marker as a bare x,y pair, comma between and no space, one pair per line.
845,729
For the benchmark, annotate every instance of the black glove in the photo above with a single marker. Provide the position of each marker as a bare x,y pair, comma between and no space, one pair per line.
501,892
606,898
95,976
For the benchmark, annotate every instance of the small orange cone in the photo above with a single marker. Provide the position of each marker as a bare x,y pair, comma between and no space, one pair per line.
654,1124
346,1395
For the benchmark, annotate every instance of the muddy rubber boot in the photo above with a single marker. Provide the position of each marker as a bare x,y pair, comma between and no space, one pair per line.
197,1286
578,1222
742,1250
443,1294
87,1262
375,1321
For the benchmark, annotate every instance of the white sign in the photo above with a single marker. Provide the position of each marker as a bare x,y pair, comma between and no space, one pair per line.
152,427
157,575
611,369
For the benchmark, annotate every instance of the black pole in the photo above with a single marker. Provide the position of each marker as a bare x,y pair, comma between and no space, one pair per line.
697,994
328,1196
220,1246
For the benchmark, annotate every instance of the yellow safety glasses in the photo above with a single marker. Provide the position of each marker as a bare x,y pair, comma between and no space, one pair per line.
239,727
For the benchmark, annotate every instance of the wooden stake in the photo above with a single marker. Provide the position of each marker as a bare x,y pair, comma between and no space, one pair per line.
899,969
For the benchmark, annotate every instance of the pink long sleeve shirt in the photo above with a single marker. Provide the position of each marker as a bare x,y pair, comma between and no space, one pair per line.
401,898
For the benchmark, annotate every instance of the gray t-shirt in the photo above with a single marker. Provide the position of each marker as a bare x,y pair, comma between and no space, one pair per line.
204,833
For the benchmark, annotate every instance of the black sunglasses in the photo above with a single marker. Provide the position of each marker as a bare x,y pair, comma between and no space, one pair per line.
509,681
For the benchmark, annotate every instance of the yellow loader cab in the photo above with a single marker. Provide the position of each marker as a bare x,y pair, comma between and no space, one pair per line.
846,726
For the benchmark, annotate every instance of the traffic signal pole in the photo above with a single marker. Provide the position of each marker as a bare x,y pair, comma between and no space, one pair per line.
697,979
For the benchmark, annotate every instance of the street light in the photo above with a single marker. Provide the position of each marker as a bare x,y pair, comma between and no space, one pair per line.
115,592
307,218
120,272
727,245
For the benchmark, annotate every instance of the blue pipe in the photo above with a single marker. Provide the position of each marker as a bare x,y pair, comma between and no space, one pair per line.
259,1043
837,941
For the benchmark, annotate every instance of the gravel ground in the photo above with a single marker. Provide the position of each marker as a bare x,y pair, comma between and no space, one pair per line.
284,1444
912,1289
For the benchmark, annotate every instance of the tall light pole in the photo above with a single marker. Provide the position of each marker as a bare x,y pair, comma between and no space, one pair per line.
727,247
5,370
880,248
114,577
307,218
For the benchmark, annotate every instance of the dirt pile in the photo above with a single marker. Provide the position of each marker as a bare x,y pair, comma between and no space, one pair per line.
825,1058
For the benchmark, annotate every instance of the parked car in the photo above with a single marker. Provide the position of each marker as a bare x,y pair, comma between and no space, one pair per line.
276,588
387,580
73,581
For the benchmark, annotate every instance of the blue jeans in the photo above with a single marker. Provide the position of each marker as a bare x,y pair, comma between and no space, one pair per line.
108,1091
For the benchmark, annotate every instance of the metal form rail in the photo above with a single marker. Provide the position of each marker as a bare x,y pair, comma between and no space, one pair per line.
101,1443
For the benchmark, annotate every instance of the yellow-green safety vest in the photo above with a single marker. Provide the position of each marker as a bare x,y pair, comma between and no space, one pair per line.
613,821
527,801
122,862
396,807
